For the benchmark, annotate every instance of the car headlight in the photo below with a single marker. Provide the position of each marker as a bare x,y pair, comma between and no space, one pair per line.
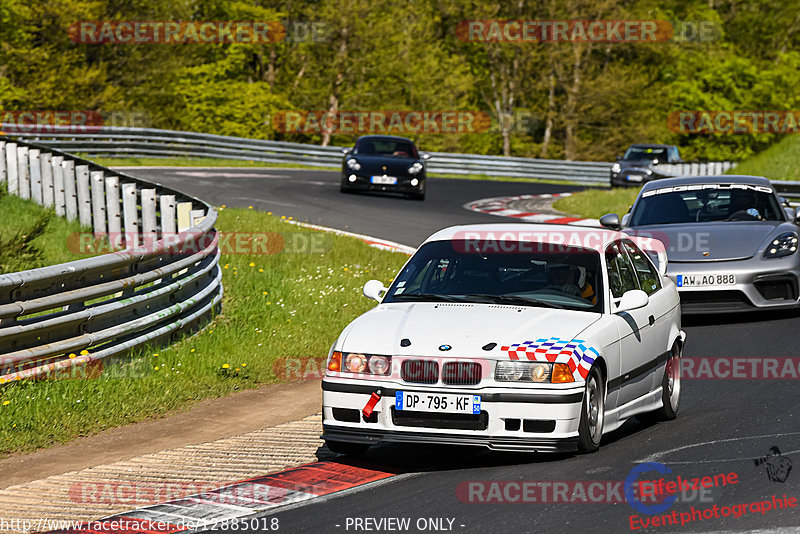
616,168
532,372
353,164
783,245
357,362
415,168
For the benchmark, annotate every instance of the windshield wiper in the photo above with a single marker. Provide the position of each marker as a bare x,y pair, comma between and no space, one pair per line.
428,297
512,299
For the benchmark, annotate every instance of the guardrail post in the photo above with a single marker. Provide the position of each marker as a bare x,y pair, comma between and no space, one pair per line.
98,203
34,155
24,190
130,213
3,176
184,217
70,190
694,169
47,180
112,209
84,197
57,168
11,168
167,215
149,220
197,216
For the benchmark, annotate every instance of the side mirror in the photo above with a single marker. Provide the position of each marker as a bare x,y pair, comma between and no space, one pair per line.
373,290
346,150
425,156
791,213
632,300
626,218
797,214
610,221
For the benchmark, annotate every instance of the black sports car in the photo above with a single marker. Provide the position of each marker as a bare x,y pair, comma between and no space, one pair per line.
384,163
642,163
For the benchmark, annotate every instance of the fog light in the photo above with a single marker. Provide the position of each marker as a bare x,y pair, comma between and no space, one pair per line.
352,178
414,182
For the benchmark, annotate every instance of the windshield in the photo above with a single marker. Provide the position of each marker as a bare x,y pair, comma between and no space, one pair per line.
445,271
706,203
640,153
397,148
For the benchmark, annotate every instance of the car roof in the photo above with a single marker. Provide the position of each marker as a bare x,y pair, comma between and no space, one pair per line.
560,234
689,180
392,137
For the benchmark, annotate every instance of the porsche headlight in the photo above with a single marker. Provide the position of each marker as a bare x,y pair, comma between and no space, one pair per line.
783,245
415,168
616,168
353,164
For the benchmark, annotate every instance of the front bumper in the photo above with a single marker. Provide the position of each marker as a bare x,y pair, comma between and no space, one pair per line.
761,284
522,418
403,184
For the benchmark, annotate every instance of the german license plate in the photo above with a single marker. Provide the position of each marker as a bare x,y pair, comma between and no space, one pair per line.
437,402
384,180
705,280
634,177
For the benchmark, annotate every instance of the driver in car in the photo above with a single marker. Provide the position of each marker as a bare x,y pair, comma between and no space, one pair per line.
570,279
744,201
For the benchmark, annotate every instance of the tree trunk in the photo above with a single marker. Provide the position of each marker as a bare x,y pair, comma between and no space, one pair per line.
551,110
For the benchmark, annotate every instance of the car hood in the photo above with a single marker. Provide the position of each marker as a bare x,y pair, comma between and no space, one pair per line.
464,327
375,165
708,242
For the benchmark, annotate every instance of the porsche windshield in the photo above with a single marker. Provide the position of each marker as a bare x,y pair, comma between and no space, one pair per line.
706,203
445,271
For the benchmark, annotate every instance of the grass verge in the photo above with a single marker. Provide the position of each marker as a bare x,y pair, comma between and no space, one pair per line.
285,305
18,221
778,162
594,203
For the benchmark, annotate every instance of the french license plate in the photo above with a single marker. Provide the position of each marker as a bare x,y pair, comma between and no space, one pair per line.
384,180
705,280
437,402
634,177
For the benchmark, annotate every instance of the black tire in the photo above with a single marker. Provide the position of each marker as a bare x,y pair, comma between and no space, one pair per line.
670,390
344,189
590,427
417,196
343,447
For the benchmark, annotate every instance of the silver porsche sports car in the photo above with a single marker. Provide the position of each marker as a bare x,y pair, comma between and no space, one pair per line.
731,243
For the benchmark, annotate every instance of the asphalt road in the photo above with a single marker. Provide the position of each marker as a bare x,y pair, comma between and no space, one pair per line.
723,427
314,197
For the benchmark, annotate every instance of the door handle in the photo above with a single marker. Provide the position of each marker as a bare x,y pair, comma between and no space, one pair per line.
652,320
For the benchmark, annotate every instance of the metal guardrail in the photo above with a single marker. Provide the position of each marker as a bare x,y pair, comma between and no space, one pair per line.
163,282
150,142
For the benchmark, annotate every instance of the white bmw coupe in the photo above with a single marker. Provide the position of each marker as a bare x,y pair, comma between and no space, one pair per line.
518,337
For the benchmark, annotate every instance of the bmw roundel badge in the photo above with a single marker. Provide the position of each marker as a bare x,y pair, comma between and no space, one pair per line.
445,347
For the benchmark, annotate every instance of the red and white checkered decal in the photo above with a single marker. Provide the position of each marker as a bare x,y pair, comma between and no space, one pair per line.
573,352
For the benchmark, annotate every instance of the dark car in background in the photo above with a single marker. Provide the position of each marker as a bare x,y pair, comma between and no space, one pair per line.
384,163
640,163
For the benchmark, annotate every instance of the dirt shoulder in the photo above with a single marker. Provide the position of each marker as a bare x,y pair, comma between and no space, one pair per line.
206,421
